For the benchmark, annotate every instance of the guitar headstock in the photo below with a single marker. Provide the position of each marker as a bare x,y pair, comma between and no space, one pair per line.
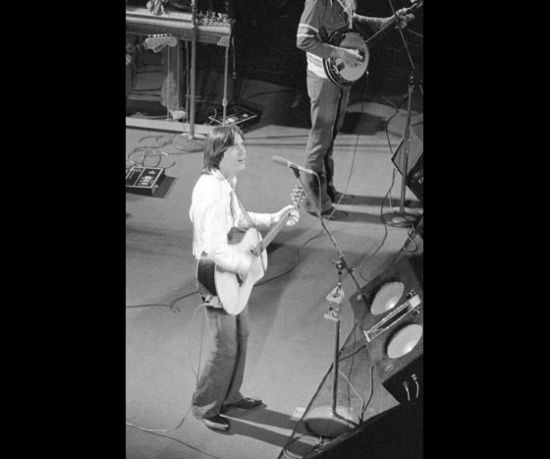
157,43
297,195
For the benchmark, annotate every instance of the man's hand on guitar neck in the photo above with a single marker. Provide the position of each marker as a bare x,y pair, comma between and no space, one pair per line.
404,18
293,218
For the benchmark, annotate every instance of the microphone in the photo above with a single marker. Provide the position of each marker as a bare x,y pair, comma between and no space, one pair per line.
287,163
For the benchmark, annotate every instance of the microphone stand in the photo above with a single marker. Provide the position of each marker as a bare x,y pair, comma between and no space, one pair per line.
331,421
401,219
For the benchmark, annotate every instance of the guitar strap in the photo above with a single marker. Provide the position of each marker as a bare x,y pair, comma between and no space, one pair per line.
348,7
243,210
247,217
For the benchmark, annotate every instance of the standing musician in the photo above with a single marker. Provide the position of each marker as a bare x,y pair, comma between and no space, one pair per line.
328,101
215,210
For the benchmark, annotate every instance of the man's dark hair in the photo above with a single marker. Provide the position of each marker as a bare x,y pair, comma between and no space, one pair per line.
217,142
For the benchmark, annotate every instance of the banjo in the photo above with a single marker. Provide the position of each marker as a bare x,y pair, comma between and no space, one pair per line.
335,68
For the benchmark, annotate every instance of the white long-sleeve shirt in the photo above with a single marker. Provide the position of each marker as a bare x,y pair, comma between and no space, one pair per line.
214,211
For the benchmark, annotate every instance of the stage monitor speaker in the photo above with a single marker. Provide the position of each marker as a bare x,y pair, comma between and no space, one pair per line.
389,311
415,179
420,227
393,434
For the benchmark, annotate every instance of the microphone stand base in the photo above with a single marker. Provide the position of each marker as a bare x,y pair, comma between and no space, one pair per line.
404,219
326,423
188,143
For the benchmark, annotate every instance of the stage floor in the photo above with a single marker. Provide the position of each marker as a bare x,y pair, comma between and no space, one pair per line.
291,346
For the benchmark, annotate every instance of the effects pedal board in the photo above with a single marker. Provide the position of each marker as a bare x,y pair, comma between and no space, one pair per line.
235,114
143,180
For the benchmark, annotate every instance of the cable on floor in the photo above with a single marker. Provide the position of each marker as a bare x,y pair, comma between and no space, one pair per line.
196,373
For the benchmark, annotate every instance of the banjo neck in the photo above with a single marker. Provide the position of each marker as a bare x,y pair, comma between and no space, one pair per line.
373,39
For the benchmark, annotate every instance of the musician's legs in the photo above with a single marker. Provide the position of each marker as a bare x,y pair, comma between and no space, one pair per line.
329,161
234,394
324,96
218,372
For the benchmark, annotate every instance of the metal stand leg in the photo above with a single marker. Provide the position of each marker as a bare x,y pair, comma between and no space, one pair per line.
331,421
225,77
401,219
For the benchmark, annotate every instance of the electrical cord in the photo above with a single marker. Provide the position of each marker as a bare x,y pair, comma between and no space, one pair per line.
298,258
387,195
410,240
341,359
352,387
176,440
159,432
196,373
289,455
171,305
364,408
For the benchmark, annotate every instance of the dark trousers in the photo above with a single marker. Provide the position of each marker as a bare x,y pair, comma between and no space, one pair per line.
328,103
221,379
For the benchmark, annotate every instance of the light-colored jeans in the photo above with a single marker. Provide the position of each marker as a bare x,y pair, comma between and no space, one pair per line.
221,379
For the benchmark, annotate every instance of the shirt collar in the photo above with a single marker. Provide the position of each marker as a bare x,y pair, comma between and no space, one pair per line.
229,185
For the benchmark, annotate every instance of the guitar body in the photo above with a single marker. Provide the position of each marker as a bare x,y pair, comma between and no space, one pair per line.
227,286
335,69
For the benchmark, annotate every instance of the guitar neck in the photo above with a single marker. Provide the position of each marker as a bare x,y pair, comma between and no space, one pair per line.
262,245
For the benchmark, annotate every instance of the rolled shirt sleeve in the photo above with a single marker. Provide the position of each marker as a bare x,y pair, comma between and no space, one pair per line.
308,36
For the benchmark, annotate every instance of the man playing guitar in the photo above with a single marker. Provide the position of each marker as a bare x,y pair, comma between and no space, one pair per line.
319,20
215,210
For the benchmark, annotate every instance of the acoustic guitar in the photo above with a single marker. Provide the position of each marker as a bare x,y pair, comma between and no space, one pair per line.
232,291
335,68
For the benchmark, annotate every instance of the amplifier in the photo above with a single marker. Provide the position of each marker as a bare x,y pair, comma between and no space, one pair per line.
143,180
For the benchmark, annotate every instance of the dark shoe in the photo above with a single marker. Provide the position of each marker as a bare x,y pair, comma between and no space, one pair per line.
244,404
216,423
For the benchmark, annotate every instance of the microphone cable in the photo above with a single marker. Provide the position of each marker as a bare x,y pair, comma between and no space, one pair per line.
180,423
365,406
171,304
159,432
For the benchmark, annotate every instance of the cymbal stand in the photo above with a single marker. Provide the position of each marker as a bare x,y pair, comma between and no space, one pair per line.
331,421
401,219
